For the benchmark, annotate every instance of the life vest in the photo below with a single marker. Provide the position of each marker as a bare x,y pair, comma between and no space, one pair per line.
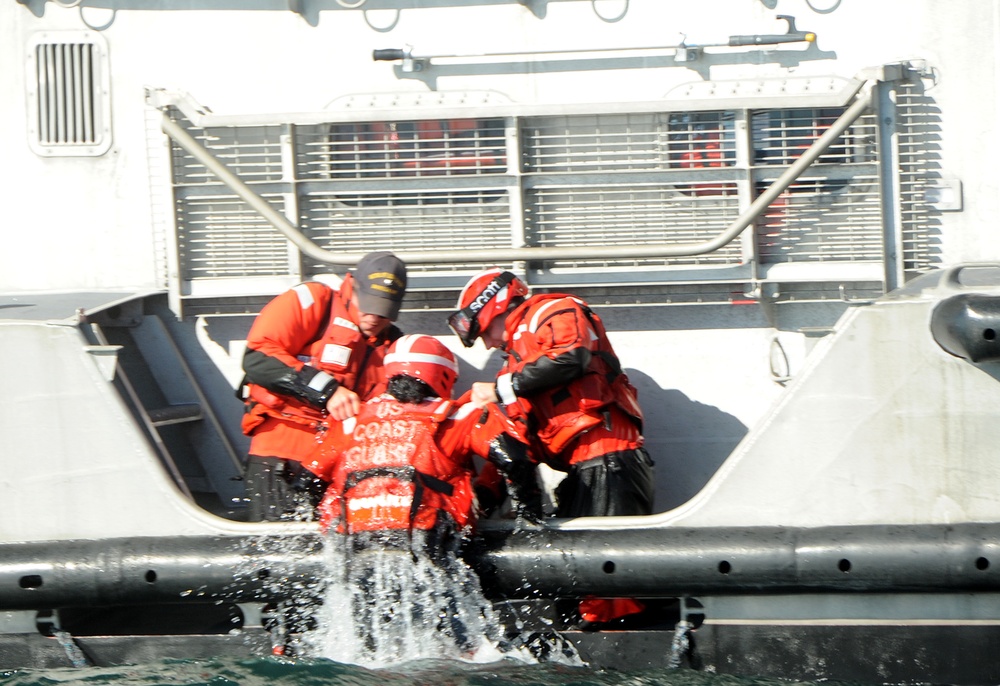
341,350
390,472
706,153
443,150
564,412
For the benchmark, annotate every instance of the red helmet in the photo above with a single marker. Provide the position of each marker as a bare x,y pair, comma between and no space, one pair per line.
424,358
486,296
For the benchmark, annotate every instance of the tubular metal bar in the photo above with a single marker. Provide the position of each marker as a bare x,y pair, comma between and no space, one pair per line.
655,562
310,249
178,569
667,562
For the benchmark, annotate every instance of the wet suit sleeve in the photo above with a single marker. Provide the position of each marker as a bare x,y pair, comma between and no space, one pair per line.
563,338
284,327
489,433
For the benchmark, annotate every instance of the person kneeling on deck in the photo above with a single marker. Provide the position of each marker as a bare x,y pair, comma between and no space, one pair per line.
401,477
314,354
562,380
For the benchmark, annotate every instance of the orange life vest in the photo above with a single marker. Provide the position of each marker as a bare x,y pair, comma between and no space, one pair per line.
567,411
388,471
706,154
341,350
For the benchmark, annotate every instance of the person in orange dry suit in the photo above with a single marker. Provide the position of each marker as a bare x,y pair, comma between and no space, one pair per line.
562,380
405,461
401,476
314,354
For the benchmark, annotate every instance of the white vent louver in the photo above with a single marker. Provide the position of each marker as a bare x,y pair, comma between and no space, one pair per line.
68,84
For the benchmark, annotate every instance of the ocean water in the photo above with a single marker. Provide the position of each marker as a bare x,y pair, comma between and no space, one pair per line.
273,671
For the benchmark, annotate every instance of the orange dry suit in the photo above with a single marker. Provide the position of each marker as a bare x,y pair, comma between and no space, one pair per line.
562,377
402,466
304,344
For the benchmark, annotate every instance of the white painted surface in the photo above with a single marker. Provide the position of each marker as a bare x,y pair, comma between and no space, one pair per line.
99,223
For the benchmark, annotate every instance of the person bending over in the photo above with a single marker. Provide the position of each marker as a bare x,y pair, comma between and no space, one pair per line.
563,381
314,354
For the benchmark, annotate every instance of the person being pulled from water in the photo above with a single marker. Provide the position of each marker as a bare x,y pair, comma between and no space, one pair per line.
562,380
401,484
314,354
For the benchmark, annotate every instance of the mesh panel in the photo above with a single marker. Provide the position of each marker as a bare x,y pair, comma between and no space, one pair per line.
221,236
818,220
373,150
918,165
823,216
582,180
627,142
780,136
404,222
253,153
637,148
616,215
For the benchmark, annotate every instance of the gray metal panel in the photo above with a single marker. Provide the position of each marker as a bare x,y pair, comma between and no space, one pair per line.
71,446
882,426
221,464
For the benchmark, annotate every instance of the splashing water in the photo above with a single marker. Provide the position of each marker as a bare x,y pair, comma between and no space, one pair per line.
383,599
386,605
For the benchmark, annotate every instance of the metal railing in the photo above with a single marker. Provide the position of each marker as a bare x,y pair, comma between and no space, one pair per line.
309,248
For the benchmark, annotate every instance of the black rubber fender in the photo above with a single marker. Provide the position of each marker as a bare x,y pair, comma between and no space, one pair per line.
968,326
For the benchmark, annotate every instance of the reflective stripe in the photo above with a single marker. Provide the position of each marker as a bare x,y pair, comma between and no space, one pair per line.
536,320
505,389
533,324
406,356
320,381
346,323
306,299
378,501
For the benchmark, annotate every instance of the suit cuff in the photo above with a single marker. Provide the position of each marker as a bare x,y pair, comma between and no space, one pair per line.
505,389
319,387
320,382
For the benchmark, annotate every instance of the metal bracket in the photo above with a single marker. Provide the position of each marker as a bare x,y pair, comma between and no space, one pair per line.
687,53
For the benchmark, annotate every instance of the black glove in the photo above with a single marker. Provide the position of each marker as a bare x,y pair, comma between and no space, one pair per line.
488,500
511,457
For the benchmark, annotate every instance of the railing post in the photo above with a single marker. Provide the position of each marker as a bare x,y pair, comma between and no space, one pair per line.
889,184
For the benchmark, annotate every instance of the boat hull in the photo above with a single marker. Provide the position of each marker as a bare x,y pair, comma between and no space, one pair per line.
837,603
